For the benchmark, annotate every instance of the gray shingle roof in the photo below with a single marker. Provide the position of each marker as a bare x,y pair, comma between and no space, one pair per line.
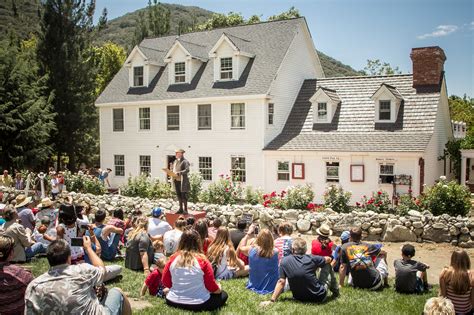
353,127
196,50
154,55
332,94
269,42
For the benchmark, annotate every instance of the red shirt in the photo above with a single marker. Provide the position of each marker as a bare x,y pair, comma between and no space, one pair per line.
153,282
317,249
205,245
13,283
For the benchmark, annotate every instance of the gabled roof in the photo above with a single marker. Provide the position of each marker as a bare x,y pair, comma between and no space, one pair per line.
387,87
270,40
354,129
190,49
151,55
332,94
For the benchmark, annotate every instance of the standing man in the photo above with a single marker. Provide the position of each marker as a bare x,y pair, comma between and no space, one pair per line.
181,182
6,180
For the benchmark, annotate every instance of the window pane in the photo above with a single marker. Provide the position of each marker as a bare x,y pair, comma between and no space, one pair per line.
384,110
322,111
180,72
205,167
145,164
173,117
119,163
117,114
226,68
144,117
332,172
238,169
204,116
237,116
283,170
270,113
138,76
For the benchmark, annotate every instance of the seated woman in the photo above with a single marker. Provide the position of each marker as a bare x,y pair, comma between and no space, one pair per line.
223,258
263,262
189,277
456,282
139,254
201,227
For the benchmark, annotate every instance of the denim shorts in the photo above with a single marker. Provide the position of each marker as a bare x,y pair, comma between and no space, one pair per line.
113,303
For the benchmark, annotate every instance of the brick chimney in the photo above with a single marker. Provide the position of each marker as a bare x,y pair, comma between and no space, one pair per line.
428,68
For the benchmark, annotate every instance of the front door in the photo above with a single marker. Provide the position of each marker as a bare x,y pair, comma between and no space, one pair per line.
169,164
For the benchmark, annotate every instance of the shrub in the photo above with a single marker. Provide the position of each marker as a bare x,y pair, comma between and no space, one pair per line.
253,196
337,199
223,192
379,202
83,184
159,189
407,203
447,197
145,187
295,197
195,181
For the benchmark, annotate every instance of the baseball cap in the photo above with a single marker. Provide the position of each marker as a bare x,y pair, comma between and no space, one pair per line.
345,235
156,212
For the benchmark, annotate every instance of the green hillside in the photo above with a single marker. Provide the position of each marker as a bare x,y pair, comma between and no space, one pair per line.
22,17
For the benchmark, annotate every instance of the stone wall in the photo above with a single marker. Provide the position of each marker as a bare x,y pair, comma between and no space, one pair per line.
415,227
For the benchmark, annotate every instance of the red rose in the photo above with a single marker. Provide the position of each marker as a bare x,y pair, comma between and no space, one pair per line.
379,192
274,194
310,206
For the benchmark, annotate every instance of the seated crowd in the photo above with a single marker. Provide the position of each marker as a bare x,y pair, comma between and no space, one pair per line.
183,263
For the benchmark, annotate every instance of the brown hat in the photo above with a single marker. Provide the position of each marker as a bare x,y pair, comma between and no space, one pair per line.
179,151
324,230
45,203
22,200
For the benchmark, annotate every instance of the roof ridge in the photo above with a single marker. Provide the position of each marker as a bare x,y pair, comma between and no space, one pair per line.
228,27
139,46
185,41
231,35
366,76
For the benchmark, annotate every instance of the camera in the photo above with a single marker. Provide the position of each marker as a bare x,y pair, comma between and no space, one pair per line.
77,241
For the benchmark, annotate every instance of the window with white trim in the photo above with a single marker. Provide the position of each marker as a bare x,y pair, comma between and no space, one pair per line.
237,170
271,112
226,68
119,165
237,115
172,114
332,172
138,76
322,111
385,110
179,72
145,164
205,167
204,117
386,173
117,119
144,118
283,172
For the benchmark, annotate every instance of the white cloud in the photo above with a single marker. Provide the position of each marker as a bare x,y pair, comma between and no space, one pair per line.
441,30
472,25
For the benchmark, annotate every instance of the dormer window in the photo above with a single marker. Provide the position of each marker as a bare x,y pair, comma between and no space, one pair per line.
323,112
138,76
226,68
179,72
385,110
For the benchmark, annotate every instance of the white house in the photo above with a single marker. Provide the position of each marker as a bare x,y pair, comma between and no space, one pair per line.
253,101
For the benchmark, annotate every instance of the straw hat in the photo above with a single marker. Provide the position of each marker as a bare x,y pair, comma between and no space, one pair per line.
179,151
45,203
22,200
324,230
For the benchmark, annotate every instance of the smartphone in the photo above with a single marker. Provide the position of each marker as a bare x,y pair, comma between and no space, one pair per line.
84,226
256,230
77,241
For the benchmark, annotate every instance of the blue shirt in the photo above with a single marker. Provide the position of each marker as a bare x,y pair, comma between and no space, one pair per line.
263,274
108,252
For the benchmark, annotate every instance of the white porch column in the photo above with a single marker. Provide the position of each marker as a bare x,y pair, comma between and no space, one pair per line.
463,170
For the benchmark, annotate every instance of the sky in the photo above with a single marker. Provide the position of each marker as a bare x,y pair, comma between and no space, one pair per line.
353,31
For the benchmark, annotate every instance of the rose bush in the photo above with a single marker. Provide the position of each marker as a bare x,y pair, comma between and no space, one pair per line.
224,191
447,197
379,202
337,199
295,197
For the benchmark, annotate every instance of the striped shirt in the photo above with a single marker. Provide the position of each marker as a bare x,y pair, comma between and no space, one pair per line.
462,302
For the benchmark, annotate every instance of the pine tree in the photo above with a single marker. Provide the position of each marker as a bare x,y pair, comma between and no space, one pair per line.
102,24
26,115
64,53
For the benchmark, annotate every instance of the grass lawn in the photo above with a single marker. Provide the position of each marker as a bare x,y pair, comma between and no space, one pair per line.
243,301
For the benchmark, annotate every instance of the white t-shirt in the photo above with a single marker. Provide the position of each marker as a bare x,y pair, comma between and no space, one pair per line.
171,240
38,237
55,186
157,227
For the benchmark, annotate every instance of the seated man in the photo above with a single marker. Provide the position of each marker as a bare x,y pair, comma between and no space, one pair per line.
300,270
13,280
357,257
70,289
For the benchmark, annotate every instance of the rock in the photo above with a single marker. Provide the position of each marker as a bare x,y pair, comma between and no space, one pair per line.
408,223
439,226
394,222
375,231
414,213
399,233
265,217
436,235
365,225
468,244
417,224
418,231
453,231
290,214
383,216
464,230
303,225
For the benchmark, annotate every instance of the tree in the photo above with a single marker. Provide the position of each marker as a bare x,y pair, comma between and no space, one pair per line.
26,117
64,53
290,14
462,109
253,19
141,29
221,20
376,67
107,60
102,24
158,19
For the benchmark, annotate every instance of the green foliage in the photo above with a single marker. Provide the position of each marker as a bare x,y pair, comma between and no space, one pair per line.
145,187
290,14
102,20
158,19
195,182
335,68
447,197
83,184
224,191
462,109
107,59
337,199
376,67
253,196
26,115
379,202
407,203
453,152
294,197
221,20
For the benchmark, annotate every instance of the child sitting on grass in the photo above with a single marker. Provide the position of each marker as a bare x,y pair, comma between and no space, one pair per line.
116,221
159,248
410,275
153,282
